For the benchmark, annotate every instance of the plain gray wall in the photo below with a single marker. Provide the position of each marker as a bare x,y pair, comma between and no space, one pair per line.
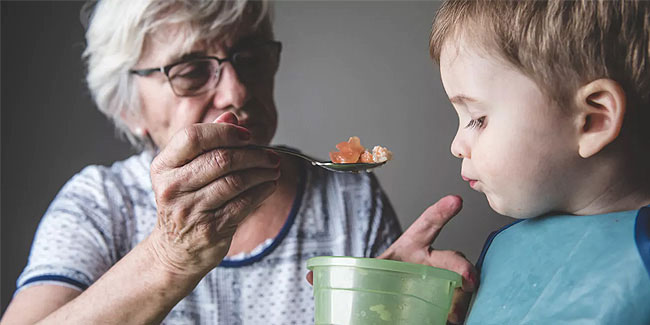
348,68
50,128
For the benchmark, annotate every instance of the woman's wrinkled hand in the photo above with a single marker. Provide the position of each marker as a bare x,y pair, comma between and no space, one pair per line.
204,188
414,246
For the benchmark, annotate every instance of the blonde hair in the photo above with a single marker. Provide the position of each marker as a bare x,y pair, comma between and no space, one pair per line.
117,33
561,45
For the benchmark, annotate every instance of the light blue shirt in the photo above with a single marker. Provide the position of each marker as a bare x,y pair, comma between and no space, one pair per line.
567,270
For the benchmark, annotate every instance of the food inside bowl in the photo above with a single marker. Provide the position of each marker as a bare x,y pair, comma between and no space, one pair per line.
361,291
352,151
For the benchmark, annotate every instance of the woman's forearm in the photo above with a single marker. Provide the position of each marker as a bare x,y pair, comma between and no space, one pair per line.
136,290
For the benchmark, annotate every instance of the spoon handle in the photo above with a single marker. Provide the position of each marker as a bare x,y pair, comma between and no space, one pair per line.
285,151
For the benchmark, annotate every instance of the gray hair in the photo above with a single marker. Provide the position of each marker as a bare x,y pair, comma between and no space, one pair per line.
116,35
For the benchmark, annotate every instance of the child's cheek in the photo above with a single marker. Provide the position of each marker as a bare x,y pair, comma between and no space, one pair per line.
502,168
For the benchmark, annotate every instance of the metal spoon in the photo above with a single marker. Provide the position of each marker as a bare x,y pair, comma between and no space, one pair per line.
341,168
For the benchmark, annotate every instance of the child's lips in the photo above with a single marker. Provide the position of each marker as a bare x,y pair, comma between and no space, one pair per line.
472,182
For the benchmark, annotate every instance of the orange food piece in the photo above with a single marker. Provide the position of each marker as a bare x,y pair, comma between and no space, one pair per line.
353,146
336,157
349,152
366,157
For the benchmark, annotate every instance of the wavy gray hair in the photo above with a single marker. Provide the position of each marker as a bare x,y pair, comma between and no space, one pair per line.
117,32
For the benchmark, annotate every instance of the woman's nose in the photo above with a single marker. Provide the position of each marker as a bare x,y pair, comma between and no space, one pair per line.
231,91
460,147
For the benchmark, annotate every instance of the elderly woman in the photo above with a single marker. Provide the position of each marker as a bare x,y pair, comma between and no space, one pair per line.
196,228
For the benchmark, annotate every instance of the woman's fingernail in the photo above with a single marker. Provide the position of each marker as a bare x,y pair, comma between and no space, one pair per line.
227,117
244,134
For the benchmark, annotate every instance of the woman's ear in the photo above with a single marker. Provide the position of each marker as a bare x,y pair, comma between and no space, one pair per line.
133,124
601,108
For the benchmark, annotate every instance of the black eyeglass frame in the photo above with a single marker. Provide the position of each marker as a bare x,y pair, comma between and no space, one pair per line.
165,69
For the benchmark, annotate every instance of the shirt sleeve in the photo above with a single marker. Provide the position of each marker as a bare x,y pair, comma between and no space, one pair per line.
384,227
76,241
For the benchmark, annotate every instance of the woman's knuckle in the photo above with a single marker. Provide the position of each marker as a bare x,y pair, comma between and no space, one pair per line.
242,203
192,134
222,159
193,170
157,167
192,138
229,210
235,183
167,191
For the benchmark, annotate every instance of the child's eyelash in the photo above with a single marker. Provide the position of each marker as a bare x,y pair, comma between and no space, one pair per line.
476,123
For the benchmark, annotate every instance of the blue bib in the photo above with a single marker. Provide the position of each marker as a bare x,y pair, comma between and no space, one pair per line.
567,269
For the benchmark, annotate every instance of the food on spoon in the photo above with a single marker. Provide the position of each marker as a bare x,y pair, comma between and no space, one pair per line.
366,157
349,151
352,152
381,154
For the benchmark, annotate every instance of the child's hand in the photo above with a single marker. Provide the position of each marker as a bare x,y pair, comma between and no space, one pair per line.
414,246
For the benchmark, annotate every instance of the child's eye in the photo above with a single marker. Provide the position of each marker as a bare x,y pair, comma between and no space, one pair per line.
476,123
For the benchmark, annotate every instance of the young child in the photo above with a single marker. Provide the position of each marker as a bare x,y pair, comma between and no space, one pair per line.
552,100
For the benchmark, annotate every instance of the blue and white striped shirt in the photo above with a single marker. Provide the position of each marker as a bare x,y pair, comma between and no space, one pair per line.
103,212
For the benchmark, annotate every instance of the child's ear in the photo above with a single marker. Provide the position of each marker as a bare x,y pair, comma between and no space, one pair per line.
601,107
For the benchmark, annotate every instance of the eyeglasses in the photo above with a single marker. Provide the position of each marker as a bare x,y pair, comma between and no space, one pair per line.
254,63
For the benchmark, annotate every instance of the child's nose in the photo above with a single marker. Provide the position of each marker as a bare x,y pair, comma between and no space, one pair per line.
231,91
459,147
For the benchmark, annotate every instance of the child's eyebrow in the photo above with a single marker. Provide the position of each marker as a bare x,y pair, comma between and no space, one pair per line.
461,99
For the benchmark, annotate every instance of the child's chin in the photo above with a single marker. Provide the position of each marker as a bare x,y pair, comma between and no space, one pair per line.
503,208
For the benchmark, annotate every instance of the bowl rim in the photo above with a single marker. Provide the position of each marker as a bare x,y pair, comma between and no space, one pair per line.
385,265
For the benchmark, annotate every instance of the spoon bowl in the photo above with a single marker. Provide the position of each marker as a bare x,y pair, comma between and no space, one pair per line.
347,168
335,167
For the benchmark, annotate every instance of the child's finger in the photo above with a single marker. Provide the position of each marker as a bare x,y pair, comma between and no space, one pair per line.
425,229
310,277
456,262
459,305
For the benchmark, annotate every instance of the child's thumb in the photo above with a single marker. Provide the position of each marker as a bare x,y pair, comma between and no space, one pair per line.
426,228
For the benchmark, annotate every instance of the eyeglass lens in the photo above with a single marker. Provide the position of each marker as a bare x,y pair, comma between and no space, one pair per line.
252,64
193,76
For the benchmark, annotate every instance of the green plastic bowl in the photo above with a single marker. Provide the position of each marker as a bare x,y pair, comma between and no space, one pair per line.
350,290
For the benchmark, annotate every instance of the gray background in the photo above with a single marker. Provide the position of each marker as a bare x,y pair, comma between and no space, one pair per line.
348,68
